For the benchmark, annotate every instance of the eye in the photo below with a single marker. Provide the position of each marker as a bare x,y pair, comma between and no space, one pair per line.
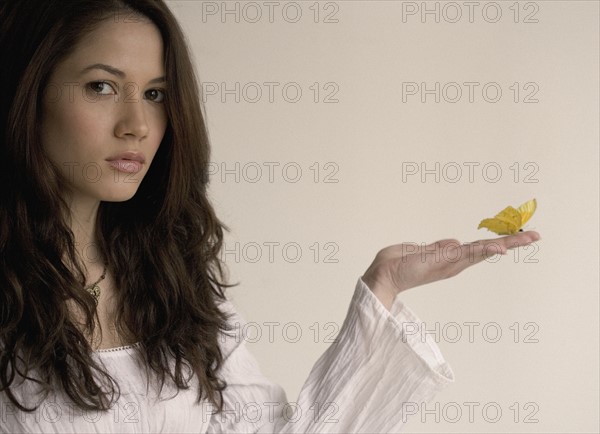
158,95
96,85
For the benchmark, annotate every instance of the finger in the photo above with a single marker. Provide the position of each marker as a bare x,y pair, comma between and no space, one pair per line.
483,249
522,239
509,241
443,262
514,241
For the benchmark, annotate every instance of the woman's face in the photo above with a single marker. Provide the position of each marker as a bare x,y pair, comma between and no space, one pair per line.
92,115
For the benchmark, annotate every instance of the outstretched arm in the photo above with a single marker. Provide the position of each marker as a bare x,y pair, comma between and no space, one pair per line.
381,367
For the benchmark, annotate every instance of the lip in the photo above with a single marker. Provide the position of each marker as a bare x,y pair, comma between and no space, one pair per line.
128,166
129,155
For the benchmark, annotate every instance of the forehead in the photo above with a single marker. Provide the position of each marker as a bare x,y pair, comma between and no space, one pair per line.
133,47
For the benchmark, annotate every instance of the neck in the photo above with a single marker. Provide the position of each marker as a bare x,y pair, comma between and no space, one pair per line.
83,226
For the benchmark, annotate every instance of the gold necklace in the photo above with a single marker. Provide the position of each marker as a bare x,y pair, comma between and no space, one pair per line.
94,289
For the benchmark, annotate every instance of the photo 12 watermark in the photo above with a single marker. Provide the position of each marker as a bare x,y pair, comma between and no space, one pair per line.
291,412
472,411
452,332
427,12
66,412
291,252
452,252
452,172
291,92
470,92
288,172
289,332
252,12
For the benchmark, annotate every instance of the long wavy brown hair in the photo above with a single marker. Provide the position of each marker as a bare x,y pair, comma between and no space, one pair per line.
162,245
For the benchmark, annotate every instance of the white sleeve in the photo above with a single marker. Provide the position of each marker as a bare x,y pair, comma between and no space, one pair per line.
378,371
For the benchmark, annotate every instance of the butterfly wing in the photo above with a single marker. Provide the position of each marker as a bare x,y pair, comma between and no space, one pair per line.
497,226
526,210
506,222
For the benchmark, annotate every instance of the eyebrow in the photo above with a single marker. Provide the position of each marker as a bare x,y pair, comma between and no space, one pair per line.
114,71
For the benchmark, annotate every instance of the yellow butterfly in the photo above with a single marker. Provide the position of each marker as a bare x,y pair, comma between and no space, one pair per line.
509,220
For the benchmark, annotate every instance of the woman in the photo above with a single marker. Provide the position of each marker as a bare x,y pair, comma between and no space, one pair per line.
104,157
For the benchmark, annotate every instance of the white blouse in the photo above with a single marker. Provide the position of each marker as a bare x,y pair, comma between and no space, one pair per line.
364,382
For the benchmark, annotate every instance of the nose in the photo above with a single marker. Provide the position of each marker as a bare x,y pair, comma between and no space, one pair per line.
132,117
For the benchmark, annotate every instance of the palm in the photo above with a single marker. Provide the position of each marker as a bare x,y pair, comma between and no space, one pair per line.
403,266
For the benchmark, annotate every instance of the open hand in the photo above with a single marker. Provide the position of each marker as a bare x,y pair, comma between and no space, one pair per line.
403,266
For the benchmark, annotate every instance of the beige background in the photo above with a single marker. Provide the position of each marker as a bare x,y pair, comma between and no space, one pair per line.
546,149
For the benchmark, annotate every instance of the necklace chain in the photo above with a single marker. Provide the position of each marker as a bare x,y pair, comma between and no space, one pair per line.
94,289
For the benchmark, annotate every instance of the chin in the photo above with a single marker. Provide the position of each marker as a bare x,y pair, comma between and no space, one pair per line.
119,196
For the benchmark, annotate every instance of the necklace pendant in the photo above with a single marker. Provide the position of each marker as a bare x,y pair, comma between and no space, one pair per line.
95,292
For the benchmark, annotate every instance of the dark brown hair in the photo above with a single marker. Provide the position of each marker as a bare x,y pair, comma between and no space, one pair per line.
162,245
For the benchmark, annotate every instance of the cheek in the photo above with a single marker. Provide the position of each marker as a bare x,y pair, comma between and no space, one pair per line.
68,132
54,132
160,127
160,121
